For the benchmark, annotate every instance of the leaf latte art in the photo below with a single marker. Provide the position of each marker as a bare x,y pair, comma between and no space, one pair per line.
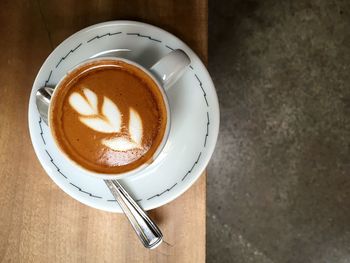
108,117
107,121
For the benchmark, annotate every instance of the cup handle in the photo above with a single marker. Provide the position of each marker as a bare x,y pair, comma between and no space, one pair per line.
171,67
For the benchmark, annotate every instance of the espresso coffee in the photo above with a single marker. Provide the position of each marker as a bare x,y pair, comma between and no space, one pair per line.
108,116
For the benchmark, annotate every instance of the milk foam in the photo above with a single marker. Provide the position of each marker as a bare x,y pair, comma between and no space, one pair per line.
107,121
135,132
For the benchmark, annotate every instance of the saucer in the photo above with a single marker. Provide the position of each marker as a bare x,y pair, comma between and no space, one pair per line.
194,114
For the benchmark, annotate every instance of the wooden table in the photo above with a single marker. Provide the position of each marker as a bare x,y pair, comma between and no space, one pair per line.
38,221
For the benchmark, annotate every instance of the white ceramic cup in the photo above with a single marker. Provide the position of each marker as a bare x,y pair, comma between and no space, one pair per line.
164,73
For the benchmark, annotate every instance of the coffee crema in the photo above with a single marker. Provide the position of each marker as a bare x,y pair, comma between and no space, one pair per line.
108,116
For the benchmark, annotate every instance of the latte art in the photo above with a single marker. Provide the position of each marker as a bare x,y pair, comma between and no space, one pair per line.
108,121
108,116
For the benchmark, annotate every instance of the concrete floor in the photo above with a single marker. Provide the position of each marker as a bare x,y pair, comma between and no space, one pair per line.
279,180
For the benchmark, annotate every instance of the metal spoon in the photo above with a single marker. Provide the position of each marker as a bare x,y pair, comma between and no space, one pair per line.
147,231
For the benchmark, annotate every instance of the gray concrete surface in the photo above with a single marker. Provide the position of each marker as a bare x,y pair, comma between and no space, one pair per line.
279,181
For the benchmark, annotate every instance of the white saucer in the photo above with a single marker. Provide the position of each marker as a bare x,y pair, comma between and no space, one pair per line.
194,112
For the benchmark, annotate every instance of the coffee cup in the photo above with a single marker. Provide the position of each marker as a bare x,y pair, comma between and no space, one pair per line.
110,116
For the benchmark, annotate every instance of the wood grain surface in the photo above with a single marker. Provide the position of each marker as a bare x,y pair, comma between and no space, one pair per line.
38,221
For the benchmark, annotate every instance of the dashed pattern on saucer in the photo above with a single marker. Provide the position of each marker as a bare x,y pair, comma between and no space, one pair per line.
167,190
201,85
207,134
54,164
131,34
41,130
149,37
80,190
104,35
48,78
70,52
190,171
169,47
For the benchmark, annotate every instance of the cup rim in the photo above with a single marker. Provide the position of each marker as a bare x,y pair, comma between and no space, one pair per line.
160,147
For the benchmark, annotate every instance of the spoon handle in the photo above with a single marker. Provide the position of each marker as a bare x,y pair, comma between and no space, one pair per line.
145,228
